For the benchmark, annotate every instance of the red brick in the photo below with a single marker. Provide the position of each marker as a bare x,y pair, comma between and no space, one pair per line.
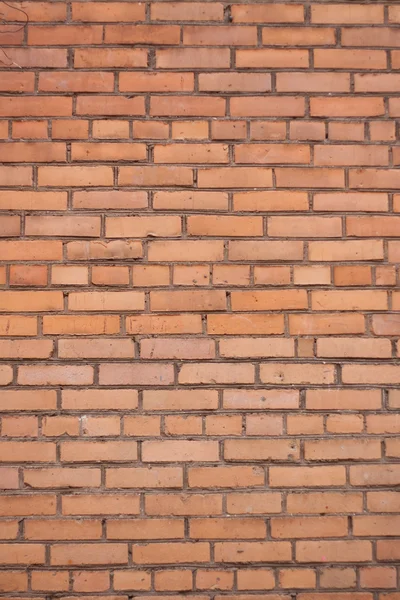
13,581
218,580
193,58
234,82
254,503
228,528
136,374
60,477
252,552
137,227
299,36
271,13
123,58
211,477
356,13
334,551
304,527
178,451
272,58
255,579
22,554
171,553
165,324
313,82
177,301
176,348
76,82
199,315
156,176
177,400
207,373
260,400
67,35
89,554
109,105
144,477
268,300
132,580
307,476
30,130
91,581
342,449
51,581
142,34
173,580
108,12
200,35
193,11
253,450
187,106
288,374
370,36
270,201
267,107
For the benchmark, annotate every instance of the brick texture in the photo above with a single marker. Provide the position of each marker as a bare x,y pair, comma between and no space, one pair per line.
199,305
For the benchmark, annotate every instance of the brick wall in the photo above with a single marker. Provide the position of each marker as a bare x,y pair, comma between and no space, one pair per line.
199,328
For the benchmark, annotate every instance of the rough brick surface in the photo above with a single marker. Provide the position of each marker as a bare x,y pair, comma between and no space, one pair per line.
199,322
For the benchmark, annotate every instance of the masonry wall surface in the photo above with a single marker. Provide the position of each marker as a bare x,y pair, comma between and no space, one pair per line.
199,302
